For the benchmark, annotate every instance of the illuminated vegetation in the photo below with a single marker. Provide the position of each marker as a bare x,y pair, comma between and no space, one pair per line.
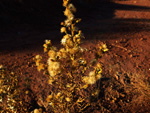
76,82
10,93
69,72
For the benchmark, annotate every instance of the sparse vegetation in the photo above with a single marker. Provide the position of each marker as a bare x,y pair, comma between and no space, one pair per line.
68,70
10,93
79,77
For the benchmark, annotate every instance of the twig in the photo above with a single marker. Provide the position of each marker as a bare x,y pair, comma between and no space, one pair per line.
121,47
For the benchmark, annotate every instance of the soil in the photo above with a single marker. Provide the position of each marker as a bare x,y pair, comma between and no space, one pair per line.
124,25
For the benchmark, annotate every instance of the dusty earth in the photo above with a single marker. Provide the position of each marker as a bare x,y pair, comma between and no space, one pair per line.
124,25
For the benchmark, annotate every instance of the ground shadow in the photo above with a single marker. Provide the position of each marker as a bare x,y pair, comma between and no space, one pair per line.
100,19
26,24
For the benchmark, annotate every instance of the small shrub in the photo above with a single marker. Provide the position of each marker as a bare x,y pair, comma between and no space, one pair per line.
10,101
69,72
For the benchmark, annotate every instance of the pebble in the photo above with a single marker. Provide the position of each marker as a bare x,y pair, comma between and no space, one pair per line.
113,101
131,55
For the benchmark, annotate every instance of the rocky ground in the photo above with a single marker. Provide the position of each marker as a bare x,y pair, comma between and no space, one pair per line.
123,25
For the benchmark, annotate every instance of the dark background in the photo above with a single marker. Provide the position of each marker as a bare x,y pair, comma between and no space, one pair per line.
44,11
25,24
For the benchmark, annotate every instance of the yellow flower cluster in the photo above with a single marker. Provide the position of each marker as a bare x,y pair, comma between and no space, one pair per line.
63,30
53,67
47,45
66,41
39,65
70,9
62,53
93,75
102,49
